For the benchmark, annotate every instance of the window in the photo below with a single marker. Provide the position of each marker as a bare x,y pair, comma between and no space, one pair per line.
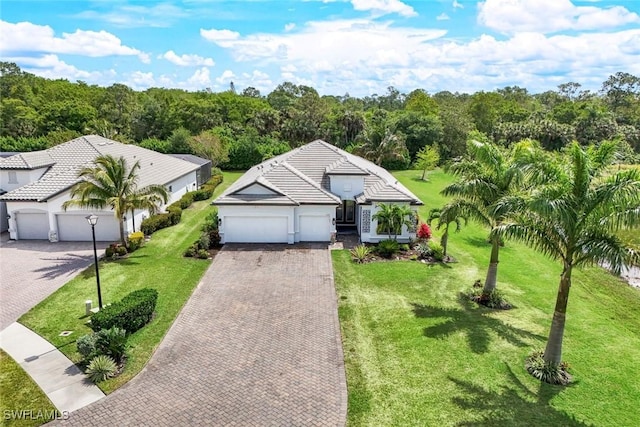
13,177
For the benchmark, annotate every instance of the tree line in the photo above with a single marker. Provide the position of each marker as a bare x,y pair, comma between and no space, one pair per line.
238,130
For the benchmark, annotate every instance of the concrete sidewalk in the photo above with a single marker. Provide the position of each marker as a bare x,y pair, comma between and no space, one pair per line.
61,380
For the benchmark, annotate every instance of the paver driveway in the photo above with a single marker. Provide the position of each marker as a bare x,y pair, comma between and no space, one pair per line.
31,270
258,343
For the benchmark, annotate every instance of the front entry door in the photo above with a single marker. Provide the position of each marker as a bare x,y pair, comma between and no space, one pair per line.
346,213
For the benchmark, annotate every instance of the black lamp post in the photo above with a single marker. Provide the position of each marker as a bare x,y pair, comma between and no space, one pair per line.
93,220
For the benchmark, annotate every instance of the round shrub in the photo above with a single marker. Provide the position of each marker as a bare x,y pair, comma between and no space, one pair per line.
387,248
547,372
86,345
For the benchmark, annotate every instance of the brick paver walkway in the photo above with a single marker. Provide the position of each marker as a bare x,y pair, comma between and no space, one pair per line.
257,344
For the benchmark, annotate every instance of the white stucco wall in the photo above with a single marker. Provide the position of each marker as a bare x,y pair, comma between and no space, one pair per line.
346,186
180,186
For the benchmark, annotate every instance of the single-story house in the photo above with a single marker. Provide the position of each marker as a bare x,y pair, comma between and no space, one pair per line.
38,183
203,173
306,195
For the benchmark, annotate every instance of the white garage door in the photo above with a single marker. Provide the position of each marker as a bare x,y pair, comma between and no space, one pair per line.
314,228
75,228
32,226
246,229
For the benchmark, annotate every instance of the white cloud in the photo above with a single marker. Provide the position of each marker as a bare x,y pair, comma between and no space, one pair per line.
200,79
443,17
384,7
547,16
187,60
457,5
52,67
225,77
132,16
214,35
24,37
289,27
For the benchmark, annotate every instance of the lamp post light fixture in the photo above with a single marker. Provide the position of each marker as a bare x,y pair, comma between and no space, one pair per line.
93,220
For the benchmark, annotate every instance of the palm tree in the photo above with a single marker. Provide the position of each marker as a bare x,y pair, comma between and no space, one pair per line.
574,219
391,218
112,183
378,145
487,176
445,216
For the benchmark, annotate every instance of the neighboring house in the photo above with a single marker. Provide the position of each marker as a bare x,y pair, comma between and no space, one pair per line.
203,174
306,194
38,183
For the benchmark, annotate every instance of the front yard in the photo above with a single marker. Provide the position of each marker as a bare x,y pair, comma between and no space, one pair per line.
418,354
158,265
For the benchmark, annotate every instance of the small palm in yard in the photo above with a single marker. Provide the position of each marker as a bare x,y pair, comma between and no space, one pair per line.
445,216
360,253
486,177
391,218
574,218
111,183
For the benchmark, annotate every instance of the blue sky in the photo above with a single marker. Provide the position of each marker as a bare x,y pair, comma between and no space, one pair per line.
358,47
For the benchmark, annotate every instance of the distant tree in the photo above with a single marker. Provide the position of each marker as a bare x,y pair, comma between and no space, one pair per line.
210,146
427,159
179,141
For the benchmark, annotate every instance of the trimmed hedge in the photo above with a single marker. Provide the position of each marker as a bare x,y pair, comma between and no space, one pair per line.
174,210
131,313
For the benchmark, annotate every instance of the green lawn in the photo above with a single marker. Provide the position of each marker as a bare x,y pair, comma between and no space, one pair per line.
28,397
159,265
418,354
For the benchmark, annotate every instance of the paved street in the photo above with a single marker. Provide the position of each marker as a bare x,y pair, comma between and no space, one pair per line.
257,344
31,270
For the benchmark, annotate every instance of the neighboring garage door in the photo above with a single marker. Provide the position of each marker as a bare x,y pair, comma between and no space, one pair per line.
32,226
75,228
314,228
248,229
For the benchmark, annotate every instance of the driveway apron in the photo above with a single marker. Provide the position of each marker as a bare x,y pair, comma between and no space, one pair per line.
257,344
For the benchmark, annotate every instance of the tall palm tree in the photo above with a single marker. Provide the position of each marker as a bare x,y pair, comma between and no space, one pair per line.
486,177
445,216
391,218
111,183
574,219
378,145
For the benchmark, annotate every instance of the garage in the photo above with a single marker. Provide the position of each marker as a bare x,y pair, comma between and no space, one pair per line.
32,226
254,229
75,228
314,228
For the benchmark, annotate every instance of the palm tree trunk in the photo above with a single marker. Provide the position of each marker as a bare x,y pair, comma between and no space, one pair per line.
553,351
492,272
123,238
444,239
133,219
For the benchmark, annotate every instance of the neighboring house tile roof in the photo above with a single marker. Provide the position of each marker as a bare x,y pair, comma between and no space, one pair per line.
302,176
67,159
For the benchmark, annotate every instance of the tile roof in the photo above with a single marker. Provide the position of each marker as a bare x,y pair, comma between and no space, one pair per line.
31,160
302,175
67,159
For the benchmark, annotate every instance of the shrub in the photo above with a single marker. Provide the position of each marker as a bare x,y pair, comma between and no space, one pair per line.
387,248
211,222
201,195
424,232
136,240
437,251
174,213
493,299
360,253
186,200
155,222
214,238
204,241
86,345
109,251
191,251
111,342
203,254
424,250
131,313
547,372
101,368
404,247
121,250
